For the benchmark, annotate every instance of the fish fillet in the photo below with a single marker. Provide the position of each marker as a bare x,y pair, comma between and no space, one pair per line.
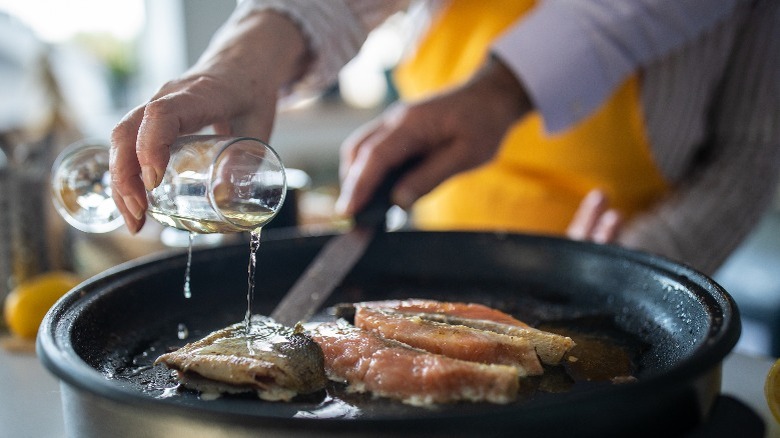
466,310
368,362
276,361
456,341
550,347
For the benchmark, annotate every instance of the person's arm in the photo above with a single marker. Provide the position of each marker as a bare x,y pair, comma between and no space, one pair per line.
233,88
571,55
566,58
716,206
335,30
265,49
445,134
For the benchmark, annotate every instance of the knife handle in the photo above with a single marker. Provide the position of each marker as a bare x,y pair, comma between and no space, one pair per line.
375,211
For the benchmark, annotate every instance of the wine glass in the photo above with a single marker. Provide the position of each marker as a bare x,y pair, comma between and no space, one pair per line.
212,184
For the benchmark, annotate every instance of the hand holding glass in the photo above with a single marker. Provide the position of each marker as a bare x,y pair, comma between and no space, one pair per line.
213,184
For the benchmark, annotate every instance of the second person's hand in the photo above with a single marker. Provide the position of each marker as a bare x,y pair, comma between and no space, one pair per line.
446,134
595,220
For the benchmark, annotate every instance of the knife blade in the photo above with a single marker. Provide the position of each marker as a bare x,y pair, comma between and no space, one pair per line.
336,259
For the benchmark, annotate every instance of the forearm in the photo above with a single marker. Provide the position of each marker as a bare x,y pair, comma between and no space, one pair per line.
266,46
707,217
572,54
715,206
333,32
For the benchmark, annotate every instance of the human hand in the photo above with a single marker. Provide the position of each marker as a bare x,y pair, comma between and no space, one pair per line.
233,88
446,134
594,220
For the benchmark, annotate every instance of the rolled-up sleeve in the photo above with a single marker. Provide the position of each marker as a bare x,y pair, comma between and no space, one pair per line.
571,54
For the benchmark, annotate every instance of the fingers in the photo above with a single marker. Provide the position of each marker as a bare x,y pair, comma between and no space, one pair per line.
139,154
158,131
377,148
141,142
126,185
607,227
430,132
594,220
437,166
351,146
448,133
369,163
140,150
591,208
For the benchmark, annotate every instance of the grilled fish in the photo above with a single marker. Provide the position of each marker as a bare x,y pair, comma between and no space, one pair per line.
456,341
451,308
388,368
550,347
275,361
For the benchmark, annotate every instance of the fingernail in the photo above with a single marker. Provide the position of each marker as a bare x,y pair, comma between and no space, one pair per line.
149,177
341,205
132,229
343,201
133,207
594,197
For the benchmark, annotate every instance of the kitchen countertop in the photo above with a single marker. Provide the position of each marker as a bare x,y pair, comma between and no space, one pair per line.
30,404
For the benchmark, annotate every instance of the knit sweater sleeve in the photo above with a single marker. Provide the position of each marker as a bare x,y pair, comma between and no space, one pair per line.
716,204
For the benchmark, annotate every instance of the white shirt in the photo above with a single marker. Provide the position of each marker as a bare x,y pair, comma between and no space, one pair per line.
710,95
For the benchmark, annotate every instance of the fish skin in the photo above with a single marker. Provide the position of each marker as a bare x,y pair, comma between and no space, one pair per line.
283,361
387,368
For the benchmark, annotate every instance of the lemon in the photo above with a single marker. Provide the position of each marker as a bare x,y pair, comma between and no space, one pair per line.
772,389
27,304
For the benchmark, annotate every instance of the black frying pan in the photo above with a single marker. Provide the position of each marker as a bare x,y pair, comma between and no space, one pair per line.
676,324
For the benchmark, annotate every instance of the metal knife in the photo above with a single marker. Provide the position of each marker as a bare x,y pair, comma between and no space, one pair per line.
336,259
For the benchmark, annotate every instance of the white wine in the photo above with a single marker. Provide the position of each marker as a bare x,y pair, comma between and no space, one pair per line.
212,184
248,216
241,217
196,225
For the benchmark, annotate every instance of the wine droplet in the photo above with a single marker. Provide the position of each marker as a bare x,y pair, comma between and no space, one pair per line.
187,288
183,332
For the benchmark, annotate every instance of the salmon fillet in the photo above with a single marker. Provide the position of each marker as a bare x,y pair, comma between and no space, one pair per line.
275,361
370,363
456,341
550,347
466,310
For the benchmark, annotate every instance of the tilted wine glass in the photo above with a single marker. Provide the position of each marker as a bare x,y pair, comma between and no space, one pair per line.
212,184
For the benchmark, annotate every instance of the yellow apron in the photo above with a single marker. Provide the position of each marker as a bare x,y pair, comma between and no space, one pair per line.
537,181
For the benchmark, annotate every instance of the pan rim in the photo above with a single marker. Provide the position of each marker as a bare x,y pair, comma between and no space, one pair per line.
58,356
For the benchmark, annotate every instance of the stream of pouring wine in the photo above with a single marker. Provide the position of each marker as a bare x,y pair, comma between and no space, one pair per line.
187,290
254,244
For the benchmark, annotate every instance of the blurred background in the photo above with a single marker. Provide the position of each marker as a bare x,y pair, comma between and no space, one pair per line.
70,70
